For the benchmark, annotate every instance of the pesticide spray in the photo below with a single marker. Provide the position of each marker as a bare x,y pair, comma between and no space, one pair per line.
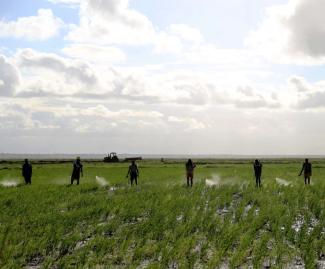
101,181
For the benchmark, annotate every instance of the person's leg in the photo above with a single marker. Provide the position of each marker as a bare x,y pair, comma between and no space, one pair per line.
71,181
305,180
308,180
259,181
256,181
136,180
191,180
30,181
188,181
77,181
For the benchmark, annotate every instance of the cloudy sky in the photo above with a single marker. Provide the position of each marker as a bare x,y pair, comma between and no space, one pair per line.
150,76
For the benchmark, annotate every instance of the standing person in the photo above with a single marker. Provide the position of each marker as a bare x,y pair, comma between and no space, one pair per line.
77,170
27,172
189,172
306,168
133,172
258,172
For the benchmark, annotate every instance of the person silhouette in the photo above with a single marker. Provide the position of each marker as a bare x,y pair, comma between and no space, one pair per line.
133,172
77,170
307,169
189,172
258,172
27,172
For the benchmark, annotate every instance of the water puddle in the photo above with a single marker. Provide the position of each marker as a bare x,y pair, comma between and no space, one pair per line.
297,263
80,244
298,223
35,262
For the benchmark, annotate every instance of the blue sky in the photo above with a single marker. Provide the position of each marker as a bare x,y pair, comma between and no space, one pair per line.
211,17
186,76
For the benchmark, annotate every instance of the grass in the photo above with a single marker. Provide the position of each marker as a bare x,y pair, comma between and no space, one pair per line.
162,223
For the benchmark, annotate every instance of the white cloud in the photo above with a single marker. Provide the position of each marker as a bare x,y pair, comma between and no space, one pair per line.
66,2
292,33
186,123
166,43
9,77
111,22
177,39
299,83
93,53
40,27
186,33
47,75
70,69
308,96
114,22
248,98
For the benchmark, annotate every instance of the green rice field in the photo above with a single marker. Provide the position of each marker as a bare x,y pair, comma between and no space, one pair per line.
223,221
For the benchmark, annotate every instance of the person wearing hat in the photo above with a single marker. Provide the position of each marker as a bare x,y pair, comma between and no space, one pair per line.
77,170
27,172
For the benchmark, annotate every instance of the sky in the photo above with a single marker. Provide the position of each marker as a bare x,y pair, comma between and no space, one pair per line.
162,77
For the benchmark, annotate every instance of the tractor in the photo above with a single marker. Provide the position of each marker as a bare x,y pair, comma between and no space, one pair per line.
111,158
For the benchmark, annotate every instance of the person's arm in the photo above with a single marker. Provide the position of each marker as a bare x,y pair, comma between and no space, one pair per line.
23,171
137,171
31,170
302,169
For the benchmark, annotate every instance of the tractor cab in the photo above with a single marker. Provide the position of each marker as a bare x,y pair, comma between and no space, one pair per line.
111,158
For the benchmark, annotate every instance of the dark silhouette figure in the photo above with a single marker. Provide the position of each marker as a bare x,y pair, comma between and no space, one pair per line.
306,168
133,172
77,170
258,172
27,172
189,172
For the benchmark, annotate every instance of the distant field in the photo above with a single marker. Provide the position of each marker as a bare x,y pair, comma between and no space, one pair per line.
222,222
